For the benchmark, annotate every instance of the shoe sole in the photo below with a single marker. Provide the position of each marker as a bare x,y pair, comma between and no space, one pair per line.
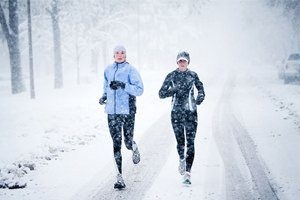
119,188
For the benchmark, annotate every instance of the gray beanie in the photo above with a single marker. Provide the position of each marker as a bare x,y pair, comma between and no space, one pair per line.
183,56
119,48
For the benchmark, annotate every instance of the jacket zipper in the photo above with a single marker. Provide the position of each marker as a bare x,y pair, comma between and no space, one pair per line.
115,91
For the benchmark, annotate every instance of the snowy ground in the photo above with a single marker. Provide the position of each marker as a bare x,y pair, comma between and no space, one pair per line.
247,146
269,110
248,138
63,134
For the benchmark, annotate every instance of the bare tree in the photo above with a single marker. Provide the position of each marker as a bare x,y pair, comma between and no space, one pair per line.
11,33
32,91
58,72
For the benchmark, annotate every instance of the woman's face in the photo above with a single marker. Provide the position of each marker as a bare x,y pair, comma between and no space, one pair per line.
182,65
120,56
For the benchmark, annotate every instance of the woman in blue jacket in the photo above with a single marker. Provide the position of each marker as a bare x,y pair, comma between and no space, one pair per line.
179,84
122,83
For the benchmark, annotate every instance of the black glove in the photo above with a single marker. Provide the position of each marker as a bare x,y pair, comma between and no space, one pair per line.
114,85
199,100
102,100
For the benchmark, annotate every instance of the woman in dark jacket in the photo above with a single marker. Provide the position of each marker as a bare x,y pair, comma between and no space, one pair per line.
179,84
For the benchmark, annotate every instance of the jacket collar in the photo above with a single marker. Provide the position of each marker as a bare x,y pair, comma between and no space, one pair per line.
122,64
181,71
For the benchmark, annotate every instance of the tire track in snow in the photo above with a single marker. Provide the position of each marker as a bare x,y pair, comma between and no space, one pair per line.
237,185
244,173
154,147
254,163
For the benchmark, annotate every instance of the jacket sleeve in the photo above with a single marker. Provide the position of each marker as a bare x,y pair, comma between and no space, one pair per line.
135,85
200,88
166,88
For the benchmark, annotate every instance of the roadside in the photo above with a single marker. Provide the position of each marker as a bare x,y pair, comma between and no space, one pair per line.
269,110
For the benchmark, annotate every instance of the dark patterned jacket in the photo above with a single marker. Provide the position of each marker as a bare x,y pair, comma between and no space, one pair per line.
180,86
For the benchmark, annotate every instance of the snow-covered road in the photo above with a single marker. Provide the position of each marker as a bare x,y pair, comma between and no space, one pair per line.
155,147
245,175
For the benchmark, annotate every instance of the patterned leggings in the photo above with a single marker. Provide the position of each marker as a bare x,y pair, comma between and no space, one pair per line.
185,126
115,123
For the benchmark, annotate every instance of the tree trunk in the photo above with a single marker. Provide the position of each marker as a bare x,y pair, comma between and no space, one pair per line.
12,37
32,91
58,73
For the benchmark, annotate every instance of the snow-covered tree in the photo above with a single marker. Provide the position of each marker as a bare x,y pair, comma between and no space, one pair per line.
32,91
11,32
58,71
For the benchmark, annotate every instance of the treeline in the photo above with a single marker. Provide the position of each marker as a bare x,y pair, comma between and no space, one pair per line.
77,34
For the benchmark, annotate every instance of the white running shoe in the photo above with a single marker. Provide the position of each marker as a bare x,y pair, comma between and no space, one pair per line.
135,154
187,178
181,167
119,184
